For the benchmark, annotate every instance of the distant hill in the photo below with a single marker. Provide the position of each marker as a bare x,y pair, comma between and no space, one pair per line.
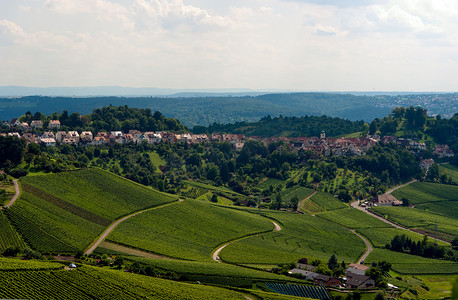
289,127
206,109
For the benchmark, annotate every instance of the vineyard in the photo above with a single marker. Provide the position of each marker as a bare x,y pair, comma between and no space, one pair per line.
300,290
96,283
301,236
410,264
99,192
353,218
450,171
8,235
299,191
327,201
15,264
213,273
417,218
189,230
49,228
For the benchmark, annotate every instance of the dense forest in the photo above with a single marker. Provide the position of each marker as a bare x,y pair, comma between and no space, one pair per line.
231,109
288,127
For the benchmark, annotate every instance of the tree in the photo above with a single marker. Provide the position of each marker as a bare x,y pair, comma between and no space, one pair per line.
214,198
333,263
405,201
455,243
294,202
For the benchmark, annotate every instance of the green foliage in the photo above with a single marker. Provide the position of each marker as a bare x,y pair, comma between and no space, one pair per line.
15,264
189,230
8,235
96,283
11,152
97,191
353,218
288,126
301,236
410,264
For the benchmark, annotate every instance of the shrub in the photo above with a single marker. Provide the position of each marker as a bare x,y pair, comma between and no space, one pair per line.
18,172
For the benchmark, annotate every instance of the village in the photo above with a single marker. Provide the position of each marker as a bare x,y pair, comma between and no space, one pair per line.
316,146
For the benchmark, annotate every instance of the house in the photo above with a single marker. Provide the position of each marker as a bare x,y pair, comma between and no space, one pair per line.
308,275
426,164
86,137
99,140
443,151
48,134
60,135
70,141
37,124
49,142
386,200
356,269
74,135
326,280
25,126
15,134
238,146
360,282
15,122
54,124
305,267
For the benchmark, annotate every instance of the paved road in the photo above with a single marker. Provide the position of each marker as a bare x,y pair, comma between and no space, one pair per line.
368,247
354,204
215,254
16,195
302,201
113,225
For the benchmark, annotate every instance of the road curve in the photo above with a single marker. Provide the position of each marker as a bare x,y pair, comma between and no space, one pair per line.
16,195
302,201
368,247
215,254
113,225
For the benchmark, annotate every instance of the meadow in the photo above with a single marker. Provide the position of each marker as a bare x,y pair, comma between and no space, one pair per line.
190,230
299,191
301,236
327,201
99,192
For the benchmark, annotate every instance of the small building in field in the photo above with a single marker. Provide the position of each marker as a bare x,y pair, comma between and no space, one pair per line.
386,200
326,280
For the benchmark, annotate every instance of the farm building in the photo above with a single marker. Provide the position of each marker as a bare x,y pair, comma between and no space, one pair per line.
360,282
309,275
356,269
386,200
326,280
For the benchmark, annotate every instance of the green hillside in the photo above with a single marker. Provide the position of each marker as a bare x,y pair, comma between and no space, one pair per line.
301,236
95,283
449,170
65,212
189,230
8,234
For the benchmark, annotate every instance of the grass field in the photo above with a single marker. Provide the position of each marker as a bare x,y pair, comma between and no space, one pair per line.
8,234
299,191
301,236
449,170
265,184
189,230
417,218
327,201
99,192
409,264
156,160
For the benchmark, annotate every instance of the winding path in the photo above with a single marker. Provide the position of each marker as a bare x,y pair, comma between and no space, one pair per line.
368,247
215,254
16,195
302,201
113,225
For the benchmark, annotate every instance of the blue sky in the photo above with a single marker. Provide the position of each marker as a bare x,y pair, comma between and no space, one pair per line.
328,45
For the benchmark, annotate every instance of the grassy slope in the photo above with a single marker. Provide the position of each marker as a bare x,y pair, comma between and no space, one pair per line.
189,230
449,170
301,236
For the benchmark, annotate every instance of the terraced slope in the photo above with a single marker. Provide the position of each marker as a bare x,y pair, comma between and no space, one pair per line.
188,230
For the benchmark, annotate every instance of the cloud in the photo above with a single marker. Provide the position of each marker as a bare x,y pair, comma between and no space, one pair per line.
339,3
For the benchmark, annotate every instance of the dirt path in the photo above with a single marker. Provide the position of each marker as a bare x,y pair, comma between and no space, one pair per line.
16,195
131,251
399,186
215,254
368,247
302,201
113,225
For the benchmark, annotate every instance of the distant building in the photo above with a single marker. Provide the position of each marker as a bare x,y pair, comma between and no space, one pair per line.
54,124
323,135
36,124
386,200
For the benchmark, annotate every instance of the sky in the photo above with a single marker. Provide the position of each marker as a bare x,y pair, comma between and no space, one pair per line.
298,45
